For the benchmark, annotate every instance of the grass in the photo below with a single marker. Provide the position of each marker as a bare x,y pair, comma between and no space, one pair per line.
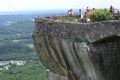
68,19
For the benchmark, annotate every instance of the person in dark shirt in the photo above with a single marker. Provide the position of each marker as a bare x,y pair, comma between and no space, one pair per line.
111,10
70,12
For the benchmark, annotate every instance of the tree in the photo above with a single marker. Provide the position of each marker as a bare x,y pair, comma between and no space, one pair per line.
100,15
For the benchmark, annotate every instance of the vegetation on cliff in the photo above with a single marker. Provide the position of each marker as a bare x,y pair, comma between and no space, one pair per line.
100,15
68,19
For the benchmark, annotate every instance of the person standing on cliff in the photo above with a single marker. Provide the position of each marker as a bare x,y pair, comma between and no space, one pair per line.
70,12
87,9
87,14
79,11
111,10
82,18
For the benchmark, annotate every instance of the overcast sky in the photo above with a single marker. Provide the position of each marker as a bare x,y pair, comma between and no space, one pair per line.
18,5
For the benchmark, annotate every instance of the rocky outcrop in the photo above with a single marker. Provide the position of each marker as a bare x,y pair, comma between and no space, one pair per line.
64,51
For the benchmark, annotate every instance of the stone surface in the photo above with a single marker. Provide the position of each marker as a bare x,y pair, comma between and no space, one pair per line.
70,60
55,76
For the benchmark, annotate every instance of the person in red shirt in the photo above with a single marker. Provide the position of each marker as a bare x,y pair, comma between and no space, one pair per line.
87,10
87,14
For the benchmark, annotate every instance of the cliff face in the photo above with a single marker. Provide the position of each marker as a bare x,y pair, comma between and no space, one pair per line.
65,57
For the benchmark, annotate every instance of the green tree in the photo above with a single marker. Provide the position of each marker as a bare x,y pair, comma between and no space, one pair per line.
100,15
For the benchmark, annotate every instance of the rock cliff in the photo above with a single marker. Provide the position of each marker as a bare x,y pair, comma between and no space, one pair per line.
74,51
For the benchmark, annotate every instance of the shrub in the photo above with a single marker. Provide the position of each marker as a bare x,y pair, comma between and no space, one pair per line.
100,15
76,39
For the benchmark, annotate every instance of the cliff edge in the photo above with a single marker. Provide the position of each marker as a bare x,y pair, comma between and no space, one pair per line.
75,51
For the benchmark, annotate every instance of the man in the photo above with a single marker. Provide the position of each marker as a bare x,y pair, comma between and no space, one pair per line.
87,10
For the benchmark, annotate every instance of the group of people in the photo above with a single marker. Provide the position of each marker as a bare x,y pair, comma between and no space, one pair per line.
84,16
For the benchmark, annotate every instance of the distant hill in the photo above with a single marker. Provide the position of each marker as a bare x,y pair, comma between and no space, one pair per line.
35,12
15,18
40,12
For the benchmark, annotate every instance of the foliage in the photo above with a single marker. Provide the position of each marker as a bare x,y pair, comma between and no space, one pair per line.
32,70
100,15
68,19
15,38
15,44
14,48
76,39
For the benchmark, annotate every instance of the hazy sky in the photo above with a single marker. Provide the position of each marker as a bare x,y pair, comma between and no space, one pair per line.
16,5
